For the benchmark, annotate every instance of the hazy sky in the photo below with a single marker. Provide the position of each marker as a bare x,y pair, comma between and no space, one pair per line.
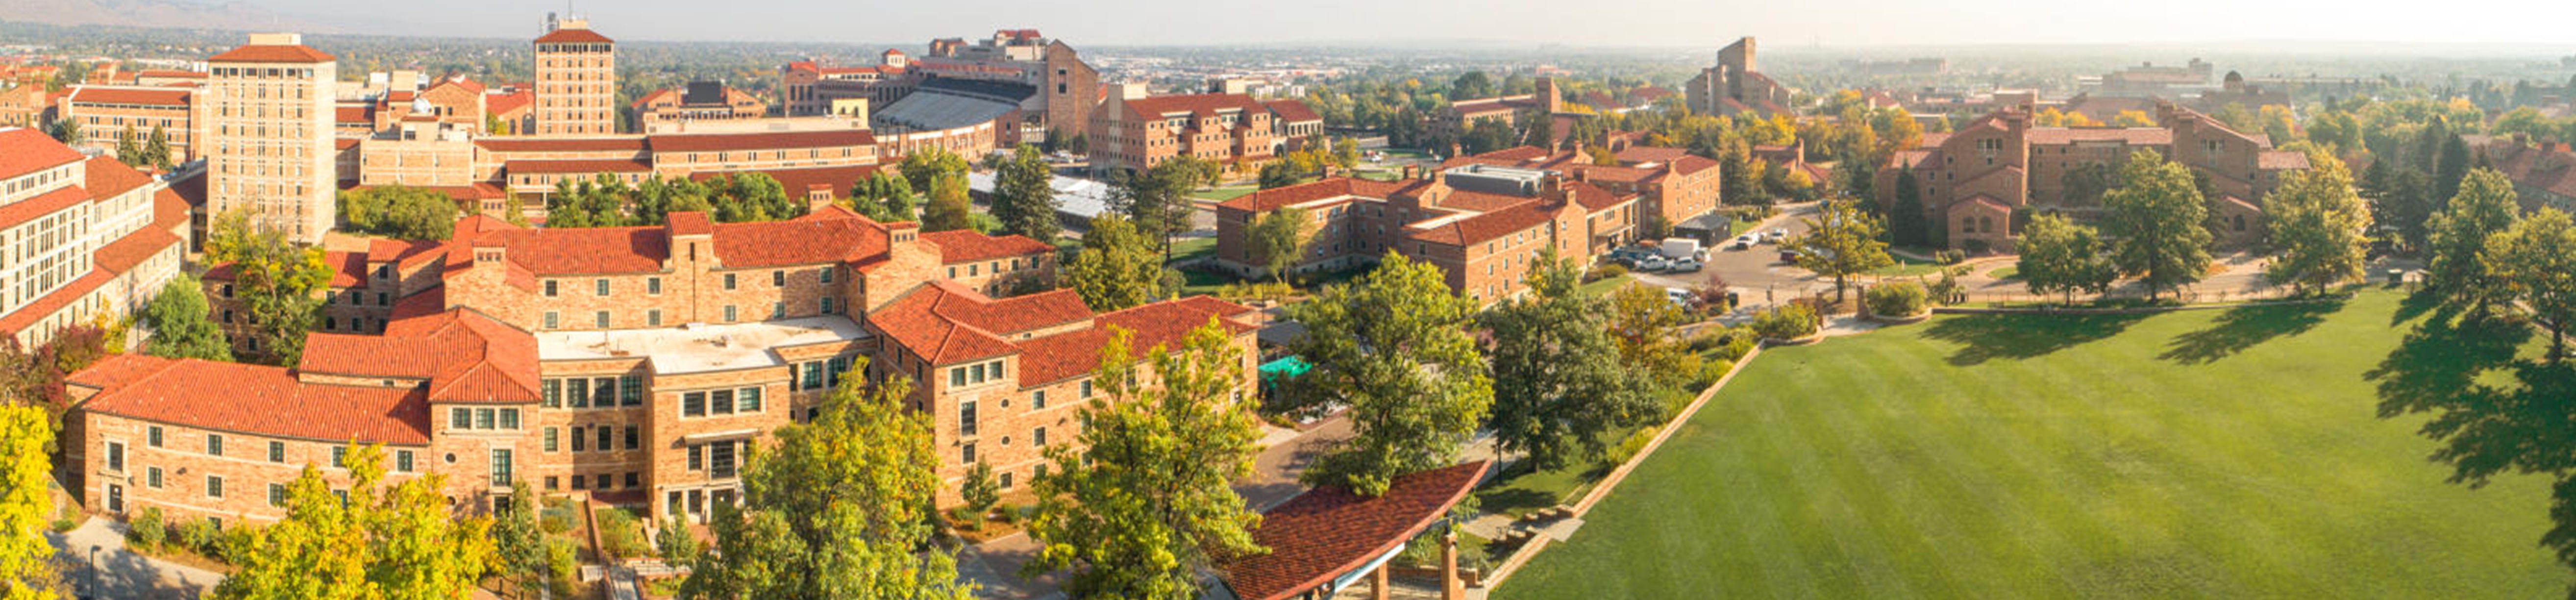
1680,23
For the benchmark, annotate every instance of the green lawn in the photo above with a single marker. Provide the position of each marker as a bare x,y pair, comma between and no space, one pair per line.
1908,267
2005,273
1605,286
2227,453
1192,248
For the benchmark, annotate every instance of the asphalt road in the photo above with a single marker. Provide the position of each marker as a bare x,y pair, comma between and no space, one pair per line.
1755,273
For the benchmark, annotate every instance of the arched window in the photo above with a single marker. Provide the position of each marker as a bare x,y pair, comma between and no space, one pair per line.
1968,224
2240,222
1986,224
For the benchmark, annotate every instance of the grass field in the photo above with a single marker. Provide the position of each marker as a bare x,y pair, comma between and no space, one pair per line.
1224,193
1908,267
2228,453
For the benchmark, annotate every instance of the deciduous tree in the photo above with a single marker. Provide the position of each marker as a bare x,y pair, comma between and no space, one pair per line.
1559,381
1149,506
1023,198
2315,223
28,569
840,510
1842,242
383,541
1278,239
399,212
2157,214
279,283
950,208
2059,256
2536,260
2483,208
1393,347
1116,268
181,325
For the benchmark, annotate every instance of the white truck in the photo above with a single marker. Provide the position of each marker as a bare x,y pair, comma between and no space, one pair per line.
1681,248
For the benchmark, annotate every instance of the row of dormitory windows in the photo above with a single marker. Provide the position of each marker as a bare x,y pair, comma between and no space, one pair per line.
165,124
483,418
262,72
818,374
600,481
720,402
601,438
653,285
979,269
588,392
968,423
405,461
732,313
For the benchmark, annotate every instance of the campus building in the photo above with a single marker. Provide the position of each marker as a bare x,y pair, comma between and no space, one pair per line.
1133,135
636,365
79,237
699,101
1483,225
1736,86
1455,120
576,92
1982,183
267,133
109,114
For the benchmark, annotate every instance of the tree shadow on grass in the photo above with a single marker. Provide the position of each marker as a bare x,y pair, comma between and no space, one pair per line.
2484,429
2244,326
2016,337
2415,305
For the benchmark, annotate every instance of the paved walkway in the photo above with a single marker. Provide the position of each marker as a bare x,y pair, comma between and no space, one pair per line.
123,574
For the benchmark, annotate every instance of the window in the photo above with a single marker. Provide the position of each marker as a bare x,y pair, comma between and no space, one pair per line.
551,435
603,391
553,321
653,286
551,394
777,310
402,461
810,376
827,307
214,445
579,391
634,437
653,318
152,477
634,479
214,486
460,418
551,483
720,460
602,435
599,319
600,286
720,402
630,390
1006,481
510,418
749,400
116,456
483,418
697,458
277,452
968,452
693,404
152,436
550,288
957,376
501,464
832,372
825,275
603,481
966,418
1039,437
277,494
728,281
579,442
729,314
340,457
1086,389
778,279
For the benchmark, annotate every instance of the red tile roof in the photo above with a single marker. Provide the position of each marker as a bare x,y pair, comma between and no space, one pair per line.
465,356
252,399
603,144
46,305
1329,531
843,179
505,103
946,323
165,97
575,167
720,142
799,242
573,36
1490,224
1292,111
107,178
130,251
1332,187
1646,154
2281,160
690,223
964,245
354,113
2142,136
582,251
1195,105
1073,354
15,213
272,54
24,150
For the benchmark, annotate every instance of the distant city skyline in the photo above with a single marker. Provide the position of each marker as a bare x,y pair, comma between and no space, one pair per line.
1652,23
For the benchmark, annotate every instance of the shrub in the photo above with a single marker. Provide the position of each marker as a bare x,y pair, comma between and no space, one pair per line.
1713,370
1950,257
980,491
62,525
235,544
1604,272
1788,322
1635,443
620,533
199,536
1975,246
147,529
558,517
1899,299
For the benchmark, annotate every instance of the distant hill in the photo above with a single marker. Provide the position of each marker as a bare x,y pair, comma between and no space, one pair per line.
183,14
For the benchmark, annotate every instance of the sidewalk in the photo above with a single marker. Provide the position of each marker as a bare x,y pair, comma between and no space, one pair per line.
123,574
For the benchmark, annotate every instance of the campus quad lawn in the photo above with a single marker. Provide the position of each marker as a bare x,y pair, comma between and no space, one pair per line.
2225,453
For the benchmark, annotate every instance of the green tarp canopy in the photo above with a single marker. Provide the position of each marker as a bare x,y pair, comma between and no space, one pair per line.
1285,367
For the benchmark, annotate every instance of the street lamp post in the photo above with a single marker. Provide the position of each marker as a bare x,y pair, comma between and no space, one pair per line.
93,573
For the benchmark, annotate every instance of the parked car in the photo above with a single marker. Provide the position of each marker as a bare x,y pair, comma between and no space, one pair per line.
1628,256
1777,235
1653,264
1680,297
1746,241
1788,256
1687,265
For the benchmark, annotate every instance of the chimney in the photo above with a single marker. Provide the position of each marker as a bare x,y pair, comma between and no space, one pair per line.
1412,172
818,196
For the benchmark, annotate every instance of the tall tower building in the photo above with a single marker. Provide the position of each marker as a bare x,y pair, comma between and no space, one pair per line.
266,132
576,80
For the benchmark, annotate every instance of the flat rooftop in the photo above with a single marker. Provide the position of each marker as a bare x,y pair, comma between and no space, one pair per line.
699,348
